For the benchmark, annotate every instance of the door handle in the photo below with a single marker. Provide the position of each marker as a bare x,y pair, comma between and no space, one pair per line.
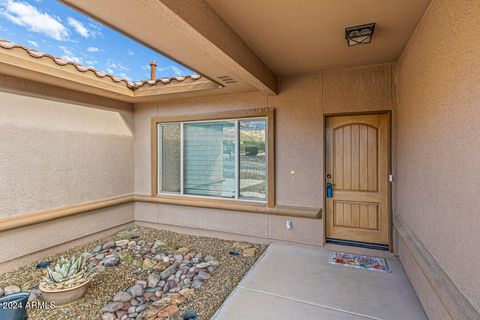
330,189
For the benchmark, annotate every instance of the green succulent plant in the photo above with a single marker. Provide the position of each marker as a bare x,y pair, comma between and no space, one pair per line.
68,273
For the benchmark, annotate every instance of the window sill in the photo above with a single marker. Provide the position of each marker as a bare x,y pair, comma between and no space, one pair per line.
232,205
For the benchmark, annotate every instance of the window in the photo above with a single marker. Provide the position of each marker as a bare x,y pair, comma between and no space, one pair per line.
223,156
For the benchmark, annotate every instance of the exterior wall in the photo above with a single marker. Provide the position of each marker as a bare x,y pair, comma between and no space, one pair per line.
56,152
60,148
300,107
48,238
438,172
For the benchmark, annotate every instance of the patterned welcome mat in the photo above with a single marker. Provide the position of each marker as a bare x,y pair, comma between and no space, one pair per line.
357,261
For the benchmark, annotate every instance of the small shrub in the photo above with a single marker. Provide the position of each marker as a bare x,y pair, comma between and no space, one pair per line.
251,150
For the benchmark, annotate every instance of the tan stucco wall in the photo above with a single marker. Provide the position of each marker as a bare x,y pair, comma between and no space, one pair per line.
300,106
56,152
26,244
60,148
438,143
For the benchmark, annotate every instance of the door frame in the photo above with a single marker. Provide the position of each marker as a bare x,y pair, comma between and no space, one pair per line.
389,165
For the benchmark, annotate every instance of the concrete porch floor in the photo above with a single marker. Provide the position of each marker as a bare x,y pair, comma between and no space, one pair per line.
296,282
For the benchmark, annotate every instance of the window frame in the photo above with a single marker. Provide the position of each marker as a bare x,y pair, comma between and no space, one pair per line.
267,113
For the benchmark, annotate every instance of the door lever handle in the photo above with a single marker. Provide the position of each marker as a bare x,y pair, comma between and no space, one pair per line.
330,189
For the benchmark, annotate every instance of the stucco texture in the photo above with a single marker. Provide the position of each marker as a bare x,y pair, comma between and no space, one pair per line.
298,127
300,106
50,237
55,153
438,141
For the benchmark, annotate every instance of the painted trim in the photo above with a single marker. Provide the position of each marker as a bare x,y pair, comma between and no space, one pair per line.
268,113
23,220
231,205
17,221
456,304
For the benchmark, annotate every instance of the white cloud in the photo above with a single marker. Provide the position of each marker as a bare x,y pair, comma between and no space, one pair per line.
116,66
91,62
130,52
124,76
78,27
33,43
28,16
170,70
95,28
92,49
69,56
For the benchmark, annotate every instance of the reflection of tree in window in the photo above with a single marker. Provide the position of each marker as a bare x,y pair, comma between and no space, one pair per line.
253,170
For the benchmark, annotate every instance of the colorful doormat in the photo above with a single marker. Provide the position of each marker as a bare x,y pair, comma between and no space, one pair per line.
360,262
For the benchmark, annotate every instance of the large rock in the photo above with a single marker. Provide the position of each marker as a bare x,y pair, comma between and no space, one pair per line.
168,311
111,260
143,283
242,245
147,264
178,257
168,272
108,245
112,307
202,275
187,293
121,243
209,258
141,307
153,280
122,296
108,316
197,284
11,290
136,290
1,292
203,265
249,252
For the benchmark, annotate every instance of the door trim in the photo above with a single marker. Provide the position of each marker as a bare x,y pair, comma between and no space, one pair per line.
389,165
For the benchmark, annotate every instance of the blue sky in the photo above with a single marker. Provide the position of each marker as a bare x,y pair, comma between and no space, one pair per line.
51,27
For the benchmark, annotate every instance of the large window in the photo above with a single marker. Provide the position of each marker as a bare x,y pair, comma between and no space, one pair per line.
224,158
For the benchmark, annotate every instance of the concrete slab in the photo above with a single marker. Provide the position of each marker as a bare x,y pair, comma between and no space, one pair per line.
250,304
302,276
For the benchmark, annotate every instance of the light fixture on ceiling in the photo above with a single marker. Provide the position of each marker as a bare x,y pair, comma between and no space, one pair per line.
359,34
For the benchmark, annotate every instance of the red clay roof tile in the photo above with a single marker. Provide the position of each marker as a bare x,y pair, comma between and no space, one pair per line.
5,44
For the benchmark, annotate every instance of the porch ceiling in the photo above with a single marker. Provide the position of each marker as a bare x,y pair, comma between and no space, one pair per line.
300,36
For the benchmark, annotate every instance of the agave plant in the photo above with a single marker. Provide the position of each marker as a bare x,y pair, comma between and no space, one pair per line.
68,273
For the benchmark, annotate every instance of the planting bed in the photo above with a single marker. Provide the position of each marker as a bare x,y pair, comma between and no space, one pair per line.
145,273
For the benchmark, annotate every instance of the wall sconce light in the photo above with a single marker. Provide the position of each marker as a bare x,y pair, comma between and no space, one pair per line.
359,34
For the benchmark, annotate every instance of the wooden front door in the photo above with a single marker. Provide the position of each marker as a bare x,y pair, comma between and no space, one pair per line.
357,169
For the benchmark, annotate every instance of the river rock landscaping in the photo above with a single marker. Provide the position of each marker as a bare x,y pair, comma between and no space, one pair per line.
143,273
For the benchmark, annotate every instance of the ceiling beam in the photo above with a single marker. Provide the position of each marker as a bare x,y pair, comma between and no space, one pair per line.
188,31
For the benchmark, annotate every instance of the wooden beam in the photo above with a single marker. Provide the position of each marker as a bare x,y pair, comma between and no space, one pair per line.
217,38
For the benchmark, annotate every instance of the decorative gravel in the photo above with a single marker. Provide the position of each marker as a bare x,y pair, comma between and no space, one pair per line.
206,300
